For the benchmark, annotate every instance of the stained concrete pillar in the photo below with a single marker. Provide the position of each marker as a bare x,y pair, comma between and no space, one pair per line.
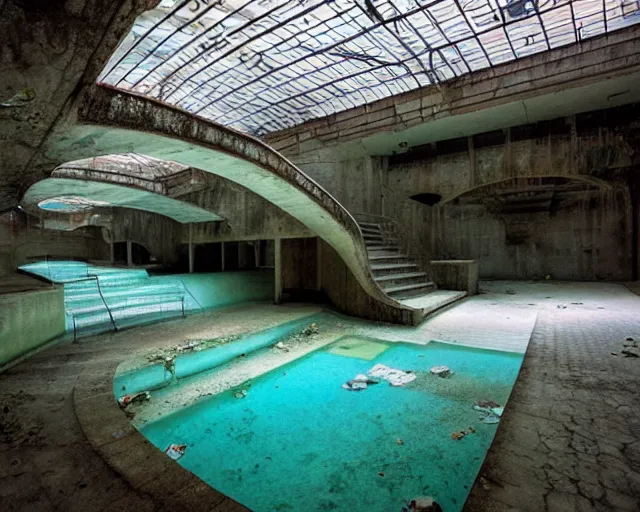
277,250
256,252
319,264
112,251
191,255
129,254
222,254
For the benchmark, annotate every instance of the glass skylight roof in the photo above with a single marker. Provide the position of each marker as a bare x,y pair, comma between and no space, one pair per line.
264,65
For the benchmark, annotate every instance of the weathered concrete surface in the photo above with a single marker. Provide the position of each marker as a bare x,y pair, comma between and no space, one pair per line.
594,74
585,163
54,467
570,437
20,240
115,122
50,49
115,195
47,463
455,275
29,319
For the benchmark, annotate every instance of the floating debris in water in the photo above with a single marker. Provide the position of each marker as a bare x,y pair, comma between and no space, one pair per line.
456,436
393,376
424,504
175,451
359,382
399,441
240,394
491,411
441,371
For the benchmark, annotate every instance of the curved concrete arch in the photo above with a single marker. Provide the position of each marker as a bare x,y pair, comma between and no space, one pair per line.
111,121
106,194
596,182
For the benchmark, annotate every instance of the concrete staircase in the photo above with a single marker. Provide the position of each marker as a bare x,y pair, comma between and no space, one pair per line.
396,273
400,276
100,299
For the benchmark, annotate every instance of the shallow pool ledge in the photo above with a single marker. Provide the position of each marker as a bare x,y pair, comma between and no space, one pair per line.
157,376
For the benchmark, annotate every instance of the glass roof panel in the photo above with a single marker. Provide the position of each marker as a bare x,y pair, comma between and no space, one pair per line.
266,65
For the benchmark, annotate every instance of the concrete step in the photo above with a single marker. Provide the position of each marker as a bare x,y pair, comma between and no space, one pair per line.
381,269
371,231
405,291
402,278
372,238
383,247
390,259
369,225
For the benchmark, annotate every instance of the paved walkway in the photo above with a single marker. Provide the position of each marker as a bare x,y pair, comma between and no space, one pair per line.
570,436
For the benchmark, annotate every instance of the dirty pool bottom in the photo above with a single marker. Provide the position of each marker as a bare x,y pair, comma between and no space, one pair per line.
295,440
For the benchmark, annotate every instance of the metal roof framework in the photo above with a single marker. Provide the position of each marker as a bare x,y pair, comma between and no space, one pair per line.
265,65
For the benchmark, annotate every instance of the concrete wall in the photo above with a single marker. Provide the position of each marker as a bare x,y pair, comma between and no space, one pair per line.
213,291
29,319
20,241
50,48
589,235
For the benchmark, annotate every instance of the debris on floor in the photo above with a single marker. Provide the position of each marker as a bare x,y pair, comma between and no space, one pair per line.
281,346
393,376
423,504
456,436
359,382
630,348
127,400
190,345
175,451
312,329
441,371
20,99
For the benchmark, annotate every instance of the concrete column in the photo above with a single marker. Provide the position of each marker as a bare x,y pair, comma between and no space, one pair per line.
112,250
277,249
256,252
222,254
191,255
318,263
472,162
129,254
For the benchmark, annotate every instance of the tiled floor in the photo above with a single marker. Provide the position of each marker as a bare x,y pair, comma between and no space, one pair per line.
570,436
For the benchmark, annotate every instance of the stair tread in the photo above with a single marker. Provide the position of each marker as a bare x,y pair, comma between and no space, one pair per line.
406,287
389,266
388,256
404,275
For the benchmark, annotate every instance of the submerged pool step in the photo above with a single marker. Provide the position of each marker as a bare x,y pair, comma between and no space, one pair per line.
155,376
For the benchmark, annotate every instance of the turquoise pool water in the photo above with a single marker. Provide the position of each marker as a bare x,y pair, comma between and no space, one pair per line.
298,441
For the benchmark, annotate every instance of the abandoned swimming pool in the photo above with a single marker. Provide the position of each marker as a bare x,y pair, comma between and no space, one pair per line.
326,431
